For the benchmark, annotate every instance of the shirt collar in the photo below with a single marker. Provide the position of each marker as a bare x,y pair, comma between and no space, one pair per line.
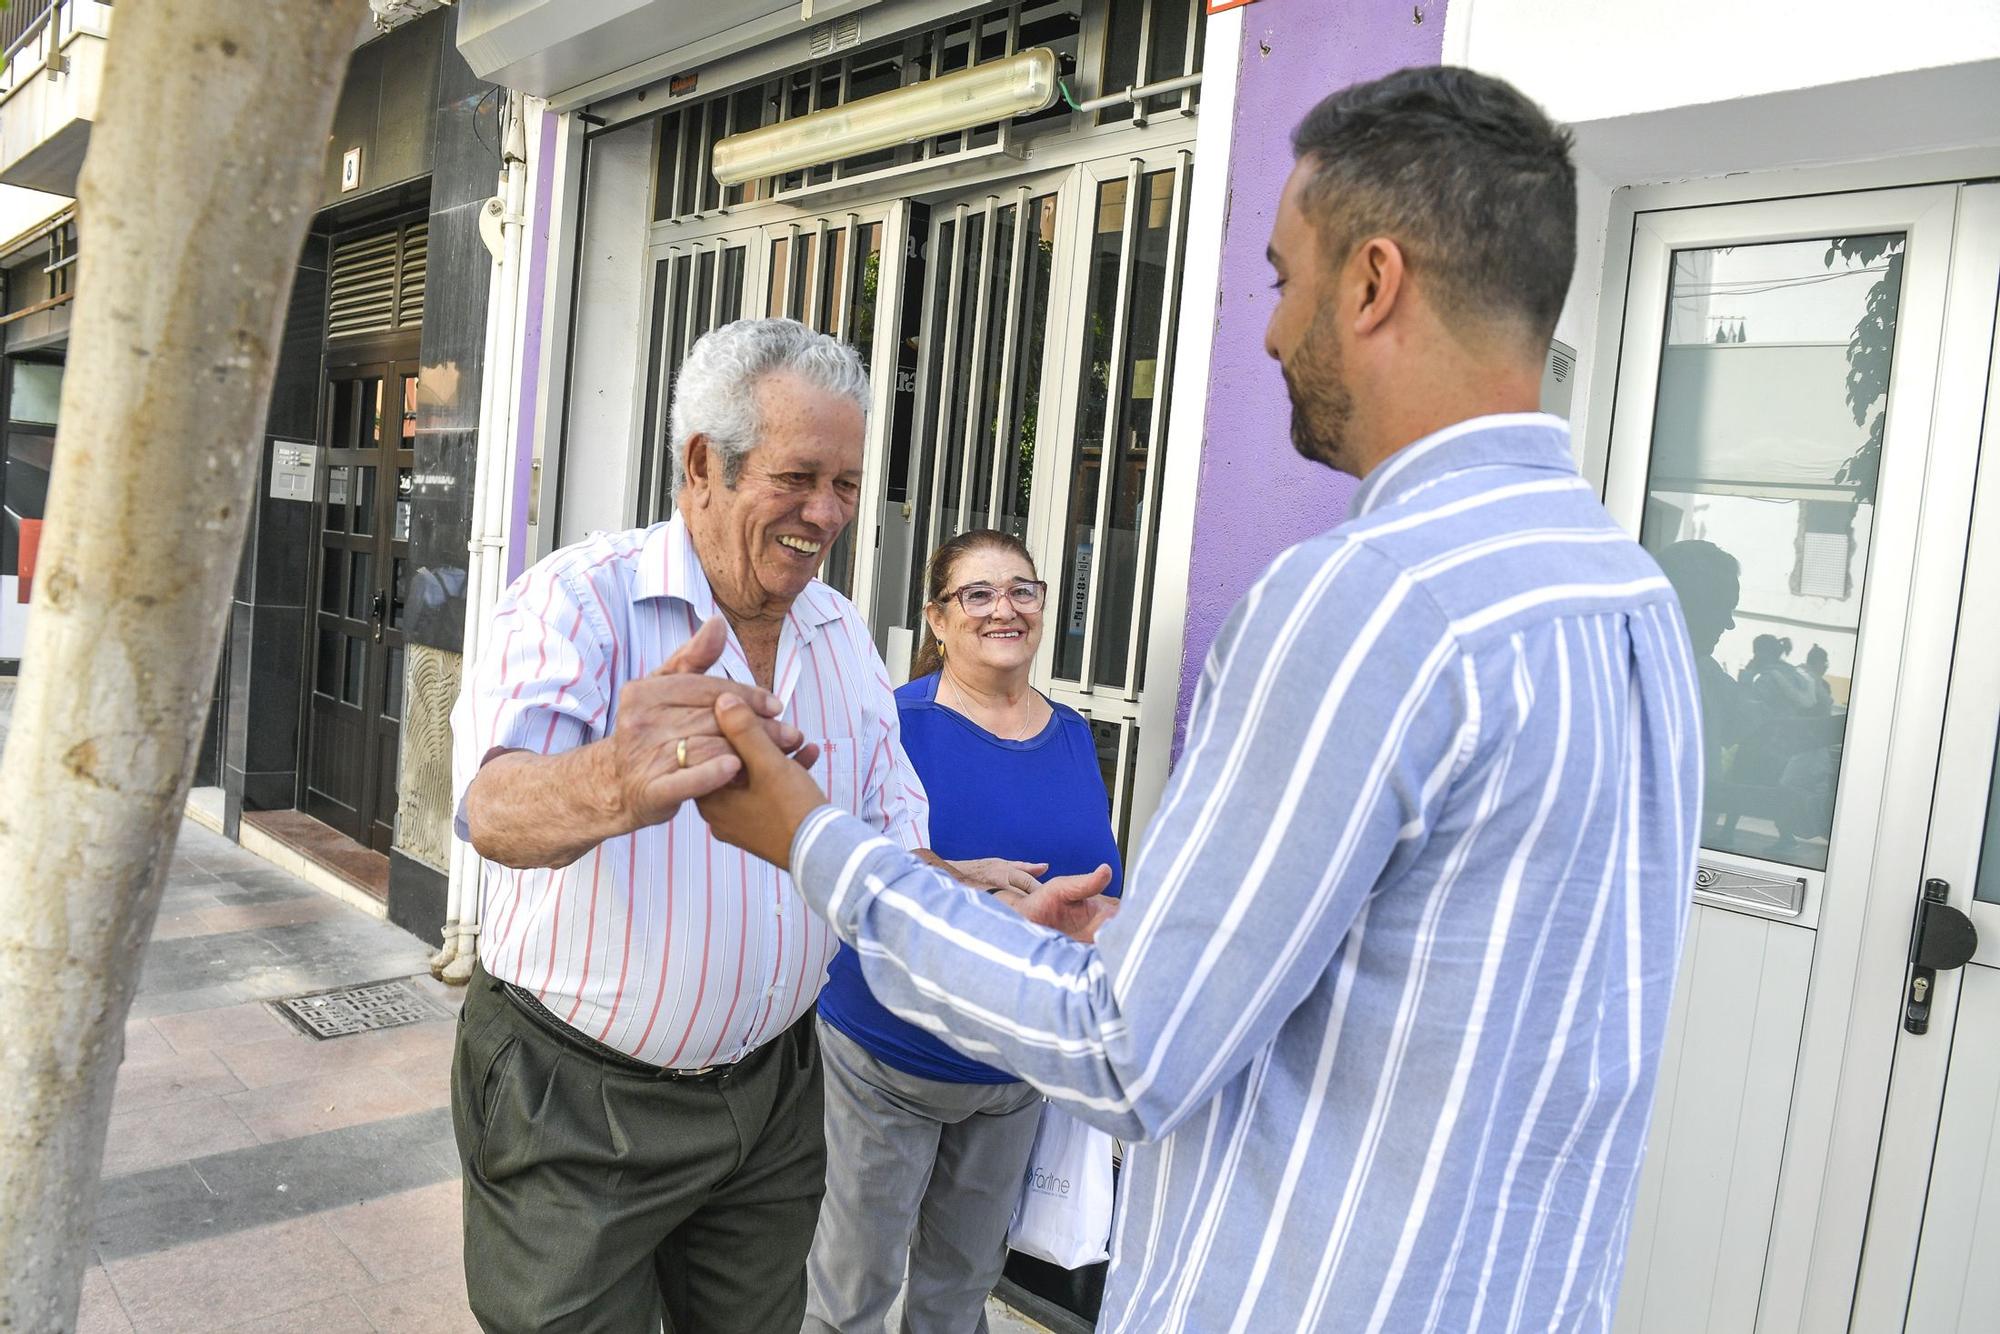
670,568
1517,439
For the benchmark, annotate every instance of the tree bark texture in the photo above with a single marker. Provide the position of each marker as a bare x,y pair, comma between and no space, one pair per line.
203,170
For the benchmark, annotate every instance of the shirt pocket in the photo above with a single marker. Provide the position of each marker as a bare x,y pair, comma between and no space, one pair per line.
842,773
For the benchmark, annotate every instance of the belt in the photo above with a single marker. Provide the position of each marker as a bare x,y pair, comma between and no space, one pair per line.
525,1002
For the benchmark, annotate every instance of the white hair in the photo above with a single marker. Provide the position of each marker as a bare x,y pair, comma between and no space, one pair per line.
715,393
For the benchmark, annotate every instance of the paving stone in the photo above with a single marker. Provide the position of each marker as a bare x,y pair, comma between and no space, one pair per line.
174,1188
171,1079
159,1136
252,1187
379,1232
262,1272
99,1311
144,1043
227,1026
336,1315
304,1107
428,1303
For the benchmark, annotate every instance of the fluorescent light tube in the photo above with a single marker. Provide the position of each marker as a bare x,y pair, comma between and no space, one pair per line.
1020,85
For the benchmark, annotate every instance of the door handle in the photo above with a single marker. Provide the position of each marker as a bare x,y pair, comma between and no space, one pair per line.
378,612
1941,939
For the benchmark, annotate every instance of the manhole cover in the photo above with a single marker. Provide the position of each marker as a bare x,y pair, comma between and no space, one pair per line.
360,1009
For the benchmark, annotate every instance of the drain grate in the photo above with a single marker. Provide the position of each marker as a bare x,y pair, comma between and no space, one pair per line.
366,1008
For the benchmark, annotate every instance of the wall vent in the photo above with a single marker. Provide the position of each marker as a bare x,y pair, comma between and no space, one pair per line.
836,35
376,282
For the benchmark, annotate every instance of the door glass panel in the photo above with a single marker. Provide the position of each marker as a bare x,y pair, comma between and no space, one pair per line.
361,586
1987,888
405,489
326,676
399,591
392,684
351,676
339,489
340,432
332,567
1760,502
409,411
364,499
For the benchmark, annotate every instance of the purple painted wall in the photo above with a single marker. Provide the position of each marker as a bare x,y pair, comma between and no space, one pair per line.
1256,495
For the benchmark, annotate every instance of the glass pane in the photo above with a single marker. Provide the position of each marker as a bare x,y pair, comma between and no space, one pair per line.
733,262
371,406
326,676
1133,468
399,592
1017,430
340,431
781,253
832,270
332,569
392,685
796,284
862,295
350,678
339,495
1760,502
942,250
364,500
1987,888
663,183
409,411
960,406
1100,313
361,585
984,379
1167,55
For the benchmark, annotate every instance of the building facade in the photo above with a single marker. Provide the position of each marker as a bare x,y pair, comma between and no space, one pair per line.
1778,347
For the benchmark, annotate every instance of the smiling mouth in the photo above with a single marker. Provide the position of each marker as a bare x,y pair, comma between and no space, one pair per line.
1005,634
799,544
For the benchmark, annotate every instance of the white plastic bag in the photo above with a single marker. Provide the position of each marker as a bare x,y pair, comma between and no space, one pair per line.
1064,1214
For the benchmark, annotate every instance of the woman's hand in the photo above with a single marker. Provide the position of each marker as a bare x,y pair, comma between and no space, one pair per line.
996,873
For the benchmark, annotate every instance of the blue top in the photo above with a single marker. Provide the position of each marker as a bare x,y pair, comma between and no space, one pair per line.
1381,1020
1039,800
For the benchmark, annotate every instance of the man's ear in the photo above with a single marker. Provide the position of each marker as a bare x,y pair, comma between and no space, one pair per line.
1378,276
698,460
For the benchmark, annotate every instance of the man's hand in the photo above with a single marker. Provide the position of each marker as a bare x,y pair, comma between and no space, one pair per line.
676,703
989,873
1075,905
762,810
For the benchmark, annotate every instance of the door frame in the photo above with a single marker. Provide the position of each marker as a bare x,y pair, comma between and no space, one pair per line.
1841,1076
1966,705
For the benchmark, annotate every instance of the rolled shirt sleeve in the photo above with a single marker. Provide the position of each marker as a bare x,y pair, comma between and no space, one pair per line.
540,684
1309,775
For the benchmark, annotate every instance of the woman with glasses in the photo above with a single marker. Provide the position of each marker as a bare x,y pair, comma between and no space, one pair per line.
926,1147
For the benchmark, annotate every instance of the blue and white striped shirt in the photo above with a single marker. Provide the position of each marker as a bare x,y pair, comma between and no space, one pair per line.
1381,1017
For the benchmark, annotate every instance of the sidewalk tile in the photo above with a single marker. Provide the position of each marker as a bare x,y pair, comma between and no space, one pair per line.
171,1079
99,1311
428,1303
151,1004
302,1107
388,1234
251,1274
144,1043
227,1026
284,912
156,1136
284,1058
336,1315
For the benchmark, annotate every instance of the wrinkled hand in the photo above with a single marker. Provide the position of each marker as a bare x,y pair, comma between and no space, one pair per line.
1075,905
677,701
997,873
762,809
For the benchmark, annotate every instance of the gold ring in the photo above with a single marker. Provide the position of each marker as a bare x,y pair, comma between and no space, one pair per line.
681,754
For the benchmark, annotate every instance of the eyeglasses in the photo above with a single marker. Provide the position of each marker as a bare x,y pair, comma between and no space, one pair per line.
981,600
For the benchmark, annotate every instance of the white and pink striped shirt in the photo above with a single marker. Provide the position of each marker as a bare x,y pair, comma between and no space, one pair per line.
665,944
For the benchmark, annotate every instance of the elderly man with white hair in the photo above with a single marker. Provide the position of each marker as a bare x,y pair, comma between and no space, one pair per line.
636,1086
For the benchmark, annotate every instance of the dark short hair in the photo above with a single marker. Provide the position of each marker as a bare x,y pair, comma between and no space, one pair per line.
1464,173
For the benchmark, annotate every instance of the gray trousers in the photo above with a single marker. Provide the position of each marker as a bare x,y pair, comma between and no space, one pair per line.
599,1200
921,1180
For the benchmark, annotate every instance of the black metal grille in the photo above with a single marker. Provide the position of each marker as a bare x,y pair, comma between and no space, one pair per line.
366,1008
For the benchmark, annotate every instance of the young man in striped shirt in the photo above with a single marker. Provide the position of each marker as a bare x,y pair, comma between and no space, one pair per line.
1381,1017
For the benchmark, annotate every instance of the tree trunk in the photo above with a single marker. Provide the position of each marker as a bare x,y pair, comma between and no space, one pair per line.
203,170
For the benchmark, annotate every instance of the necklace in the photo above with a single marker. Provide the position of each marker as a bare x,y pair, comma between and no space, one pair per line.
967,707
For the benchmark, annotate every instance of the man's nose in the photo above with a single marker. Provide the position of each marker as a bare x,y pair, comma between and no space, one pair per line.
825,510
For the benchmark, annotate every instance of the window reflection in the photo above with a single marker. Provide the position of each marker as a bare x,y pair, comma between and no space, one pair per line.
1760,502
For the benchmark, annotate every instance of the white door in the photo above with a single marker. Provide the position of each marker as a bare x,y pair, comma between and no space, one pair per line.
1789,439
1934,1223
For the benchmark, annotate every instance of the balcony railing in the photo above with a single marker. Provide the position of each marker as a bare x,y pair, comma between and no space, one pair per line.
19,18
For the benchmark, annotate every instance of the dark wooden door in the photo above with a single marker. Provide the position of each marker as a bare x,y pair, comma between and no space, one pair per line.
356,691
